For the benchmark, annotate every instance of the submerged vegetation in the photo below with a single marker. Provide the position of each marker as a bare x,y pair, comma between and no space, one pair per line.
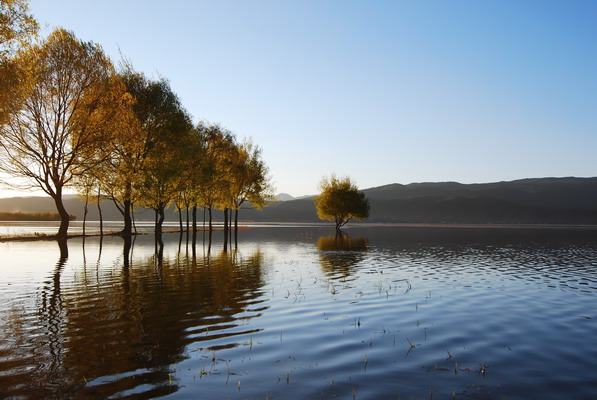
72,119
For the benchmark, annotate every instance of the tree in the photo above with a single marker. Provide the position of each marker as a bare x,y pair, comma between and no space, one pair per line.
62,118
249,180
17,29
213,183
17,26
124,157
85,185
164,128
340,201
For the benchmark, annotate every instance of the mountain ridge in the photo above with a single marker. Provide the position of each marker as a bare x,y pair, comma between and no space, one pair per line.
566,200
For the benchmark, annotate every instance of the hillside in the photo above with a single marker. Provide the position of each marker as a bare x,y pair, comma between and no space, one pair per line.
541,200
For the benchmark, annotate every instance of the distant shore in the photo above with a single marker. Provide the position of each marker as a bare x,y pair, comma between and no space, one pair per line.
31,216
249,224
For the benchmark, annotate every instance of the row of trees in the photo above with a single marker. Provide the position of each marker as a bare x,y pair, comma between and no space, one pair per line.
70,119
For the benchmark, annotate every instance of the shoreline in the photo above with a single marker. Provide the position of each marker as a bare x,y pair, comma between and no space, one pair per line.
250,225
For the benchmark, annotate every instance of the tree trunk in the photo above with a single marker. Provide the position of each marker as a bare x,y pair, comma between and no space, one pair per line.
210,222
127,204
236,228
226,221
236,220
159,220
64,217
133,217
187,219
127,230
225,230
230,226
99,209
194,218
85,210
180,218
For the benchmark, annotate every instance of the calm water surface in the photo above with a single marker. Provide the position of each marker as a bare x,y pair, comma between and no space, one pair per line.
296,313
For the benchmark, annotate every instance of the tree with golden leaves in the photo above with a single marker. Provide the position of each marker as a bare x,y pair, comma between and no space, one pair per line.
213,184
164,126
17,29
249,179
340,201
49,140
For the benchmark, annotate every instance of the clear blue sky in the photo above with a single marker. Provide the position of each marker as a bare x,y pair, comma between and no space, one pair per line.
383,91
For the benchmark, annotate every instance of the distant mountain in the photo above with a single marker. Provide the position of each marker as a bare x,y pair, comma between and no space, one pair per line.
284,197
287,197
528,201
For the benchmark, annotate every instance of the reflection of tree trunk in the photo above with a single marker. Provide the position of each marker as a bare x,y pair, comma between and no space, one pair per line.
83,249
101,245
159,249
52,311
99,209
194,246
187,240
179,243
64,218
209,244
63,245
126,250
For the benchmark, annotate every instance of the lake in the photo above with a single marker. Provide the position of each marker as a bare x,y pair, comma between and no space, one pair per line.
298,313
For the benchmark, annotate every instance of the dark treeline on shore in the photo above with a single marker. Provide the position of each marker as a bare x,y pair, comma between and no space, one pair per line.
70,119
32,216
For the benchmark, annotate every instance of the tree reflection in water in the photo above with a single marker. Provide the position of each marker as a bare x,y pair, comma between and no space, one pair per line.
121,330
338,254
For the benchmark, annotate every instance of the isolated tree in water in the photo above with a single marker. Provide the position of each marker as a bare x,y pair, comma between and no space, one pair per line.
340,201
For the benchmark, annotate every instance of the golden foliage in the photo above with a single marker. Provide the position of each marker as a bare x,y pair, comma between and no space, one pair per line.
340,201
17,26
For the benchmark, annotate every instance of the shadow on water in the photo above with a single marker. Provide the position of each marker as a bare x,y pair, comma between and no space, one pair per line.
339,254
121,330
